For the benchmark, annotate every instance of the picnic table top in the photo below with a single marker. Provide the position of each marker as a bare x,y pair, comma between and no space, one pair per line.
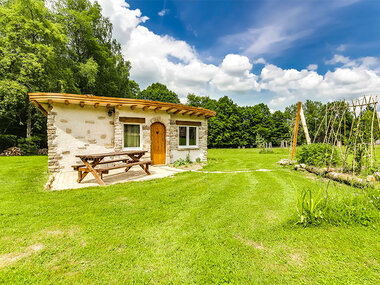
102,155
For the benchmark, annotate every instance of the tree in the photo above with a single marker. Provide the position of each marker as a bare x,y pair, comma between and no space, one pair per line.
27,57
66,48
134,88
158,92
92,53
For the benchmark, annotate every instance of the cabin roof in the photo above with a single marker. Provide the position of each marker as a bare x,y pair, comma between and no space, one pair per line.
113,102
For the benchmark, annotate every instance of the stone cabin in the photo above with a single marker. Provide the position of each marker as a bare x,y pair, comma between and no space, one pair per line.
86,124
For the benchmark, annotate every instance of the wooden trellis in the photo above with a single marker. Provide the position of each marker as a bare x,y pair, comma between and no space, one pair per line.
335,119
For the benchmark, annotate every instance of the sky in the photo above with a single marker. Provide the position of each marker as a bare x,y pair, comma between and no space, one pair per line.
271,51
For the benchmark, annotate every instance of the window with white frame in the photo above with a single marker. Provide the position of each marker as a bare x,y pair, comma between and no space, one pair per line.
132,136
188,136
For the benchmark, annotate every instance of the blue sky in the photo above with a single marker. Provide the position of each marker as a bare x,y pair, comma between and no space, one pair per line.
276,52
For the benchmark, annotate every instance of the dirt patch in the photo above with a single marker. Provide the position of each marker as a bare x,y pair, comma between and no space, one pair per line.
70,232
192,166
10,258
55,233
296,258
257,245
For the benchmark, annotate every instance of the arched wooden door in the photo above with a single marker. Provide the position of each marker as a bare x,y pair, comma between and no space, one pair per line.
158,143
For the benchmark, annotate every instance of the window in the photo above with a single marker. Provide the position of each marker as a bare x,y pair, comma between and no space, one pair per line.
132,136
188,136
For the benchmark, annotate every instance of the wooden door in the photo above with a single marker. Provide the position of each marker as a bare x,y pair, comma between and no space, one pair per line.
158,143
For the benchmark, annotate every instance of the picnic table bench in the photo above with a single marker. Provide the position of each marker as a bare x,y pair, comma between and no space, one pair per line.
94,163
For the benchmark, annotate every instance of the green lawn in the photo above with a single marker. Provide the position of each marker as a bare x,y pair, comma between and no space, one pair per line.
191,228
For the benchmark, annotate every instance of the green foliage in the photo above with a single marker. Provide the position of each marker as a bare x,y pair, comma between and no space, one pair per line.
317,154
359,155
158,92
360,208
67,47
30,146
134,88
310,204
236,126
7,141
260,142
89,71
314,207
182,162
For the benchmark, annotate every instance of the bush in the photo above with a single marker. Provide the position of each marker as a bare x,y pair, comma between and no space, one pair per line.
29,146
359,208
317,154
314,207
7,141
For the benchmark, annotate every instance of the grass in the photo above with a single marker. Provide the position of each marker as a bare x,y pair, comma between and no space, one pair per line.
192,228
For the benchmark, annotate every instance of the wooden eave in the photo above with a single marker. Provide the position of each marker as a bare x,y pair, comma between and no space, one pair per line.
90,100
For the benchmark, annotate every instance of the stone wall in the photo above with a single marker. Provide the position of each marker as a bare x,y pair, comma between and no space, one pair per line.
74,130
53,156
193,152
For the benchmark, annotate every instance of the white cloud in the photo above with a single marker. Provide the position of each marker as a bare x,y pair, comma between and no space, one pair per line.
235,64
171,61
178,65
342,83
259,61
338,59
163,12
362,62
341,48
312,67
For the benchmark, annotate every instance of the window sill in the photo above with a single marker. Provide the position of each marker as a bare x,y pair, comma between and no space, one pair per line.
132,148
188,147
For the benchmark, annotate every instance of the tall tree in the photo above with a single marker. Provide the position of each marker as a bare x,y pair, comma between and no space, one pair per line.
158,92
94,58
28,39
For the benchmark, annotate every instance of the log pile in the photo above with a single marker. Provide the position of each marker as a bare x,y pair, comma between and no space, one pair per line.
286,162
333,174
12,151
42,151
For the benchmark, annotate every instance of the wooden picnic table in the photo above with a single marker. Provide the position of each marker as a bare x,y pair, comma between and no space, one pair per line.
92,163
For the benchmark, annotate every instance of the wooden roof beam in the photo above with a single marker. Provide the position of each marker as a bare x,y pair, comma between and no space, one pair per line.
67,102
170,108
157,109
145,108
81,103
96,105
42,109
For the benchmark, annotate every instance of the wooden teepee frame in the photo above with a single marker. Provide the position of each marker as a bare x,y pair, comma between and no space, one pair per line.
300,115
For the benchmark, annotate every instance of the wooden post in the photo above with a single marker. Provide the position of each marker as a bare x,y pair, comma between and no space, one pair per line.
296,129
304,125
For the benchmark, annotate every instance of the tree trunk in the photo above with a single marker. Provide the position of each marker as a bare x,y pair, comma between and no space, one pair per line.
28,120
